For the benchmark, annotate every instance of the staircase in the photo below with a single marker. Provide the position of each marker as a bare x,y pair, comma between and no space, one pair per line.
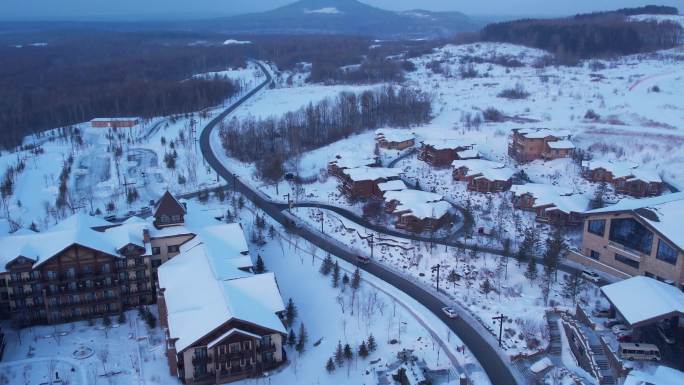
601,361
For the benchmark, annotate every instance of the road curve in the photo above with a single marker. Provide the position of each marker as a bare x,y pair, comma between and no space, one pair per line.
496,366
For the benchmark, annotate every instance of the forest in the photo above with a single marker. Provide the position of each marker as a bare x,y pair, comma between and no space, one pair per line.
72,76
318,125
585,36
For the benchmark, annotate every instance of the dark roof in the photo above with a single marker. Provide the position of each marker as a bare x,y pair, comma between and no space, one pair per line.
168,205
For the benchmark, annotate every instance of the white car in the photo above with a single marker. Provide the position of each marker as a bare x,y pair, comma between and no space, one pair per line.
591,276
450,312
621,329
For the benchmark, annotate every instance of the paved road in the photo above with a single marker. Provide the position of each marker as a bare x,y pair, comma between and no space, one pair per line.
496,366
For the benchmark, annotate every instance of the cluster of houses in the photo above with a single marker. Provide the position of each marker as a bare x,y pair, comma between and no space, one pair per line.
626,178
222,321
529,144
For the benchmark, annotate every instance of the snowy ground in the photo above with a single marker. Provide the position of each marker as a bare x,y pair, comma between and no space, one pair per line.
125,353
511,292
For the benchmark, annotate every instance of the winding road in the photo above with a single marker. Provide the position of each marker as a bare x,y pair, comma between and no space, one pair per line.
481,344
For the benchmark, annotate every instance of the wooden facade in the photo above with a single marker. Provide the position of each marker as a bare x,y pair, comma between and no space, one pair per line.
628,185
526,149
114,122
479,183
411,223
78,283
234,351
441,157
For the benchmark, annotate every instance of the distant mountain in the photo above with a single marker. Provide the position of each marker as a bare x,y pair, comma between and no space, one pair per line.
349,17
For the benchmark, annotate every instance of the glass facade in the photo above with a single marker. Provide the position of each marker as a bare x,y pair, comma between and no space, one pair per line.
631,234
666,253
597,227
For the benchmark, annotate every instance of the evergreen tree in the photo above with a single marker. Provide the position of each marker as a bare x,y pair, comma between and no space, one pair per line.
531,272
339,354
452,278
327,265
122,318
291,338
303,337
372,345
106,321
259,268
336,274
330,365
345,279
291,312
356,279
363,350
348,353
486,287
527,246
572,286
555,246
599,200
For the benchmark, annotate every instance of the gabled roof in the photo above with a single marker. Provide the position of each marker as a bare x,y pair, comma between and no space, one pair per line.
41,247
395,135
371,173
641,300
492,171
446,144
541,133
353,161
168,205
553,196
204,288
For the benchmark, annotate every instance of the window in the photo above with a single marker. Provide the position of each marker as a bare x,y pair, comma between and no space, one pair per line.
247,345
164,219
593,254
51,274
156,250
176,218
666,253
71,273
173,248
631,234
234,347
627,261
105,268
597,227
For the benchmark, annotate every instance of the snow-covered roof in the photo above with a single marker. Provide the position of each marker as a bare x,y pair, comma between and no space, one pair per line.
393,185
663,375
484,168
371,173
468,154
540,133
628,170
641,299
421,204
353,161
446,144
40,247
81,220
204,287
394,135
561,144
127,233
663,213
554,196
114,119
411,196
428,210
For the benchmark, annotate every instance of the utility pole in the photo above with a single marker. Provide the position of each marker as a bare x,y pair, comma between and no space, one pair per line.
371,242
501,320
436,268
289,204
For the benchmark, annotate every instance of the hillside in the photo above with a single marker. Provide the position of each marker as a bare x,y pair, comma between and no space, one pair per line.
593,35
349,17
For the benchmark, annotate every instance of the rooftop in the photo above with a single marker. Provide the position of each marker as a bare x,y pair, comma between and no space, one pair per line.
395,135
630,296
484,168
548,195
447,144
541,133
371,173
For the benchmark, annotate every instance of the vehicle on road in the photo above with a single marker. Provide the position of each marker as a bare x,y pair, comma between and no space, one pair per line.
110,218
145,210
450,312
591,276
362,259
131,213
622,332
639,351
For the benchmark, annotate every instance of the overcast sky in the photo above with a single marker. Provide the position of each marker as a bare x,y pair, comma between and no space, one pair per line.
141,9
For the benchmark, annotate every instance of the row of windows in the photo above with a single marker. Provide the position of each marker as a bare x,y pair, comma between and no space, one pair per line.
169,249
632,234
627,261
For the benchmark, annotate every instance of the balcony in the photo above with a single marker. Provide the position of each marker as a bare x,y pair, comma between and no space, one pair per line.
266,348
